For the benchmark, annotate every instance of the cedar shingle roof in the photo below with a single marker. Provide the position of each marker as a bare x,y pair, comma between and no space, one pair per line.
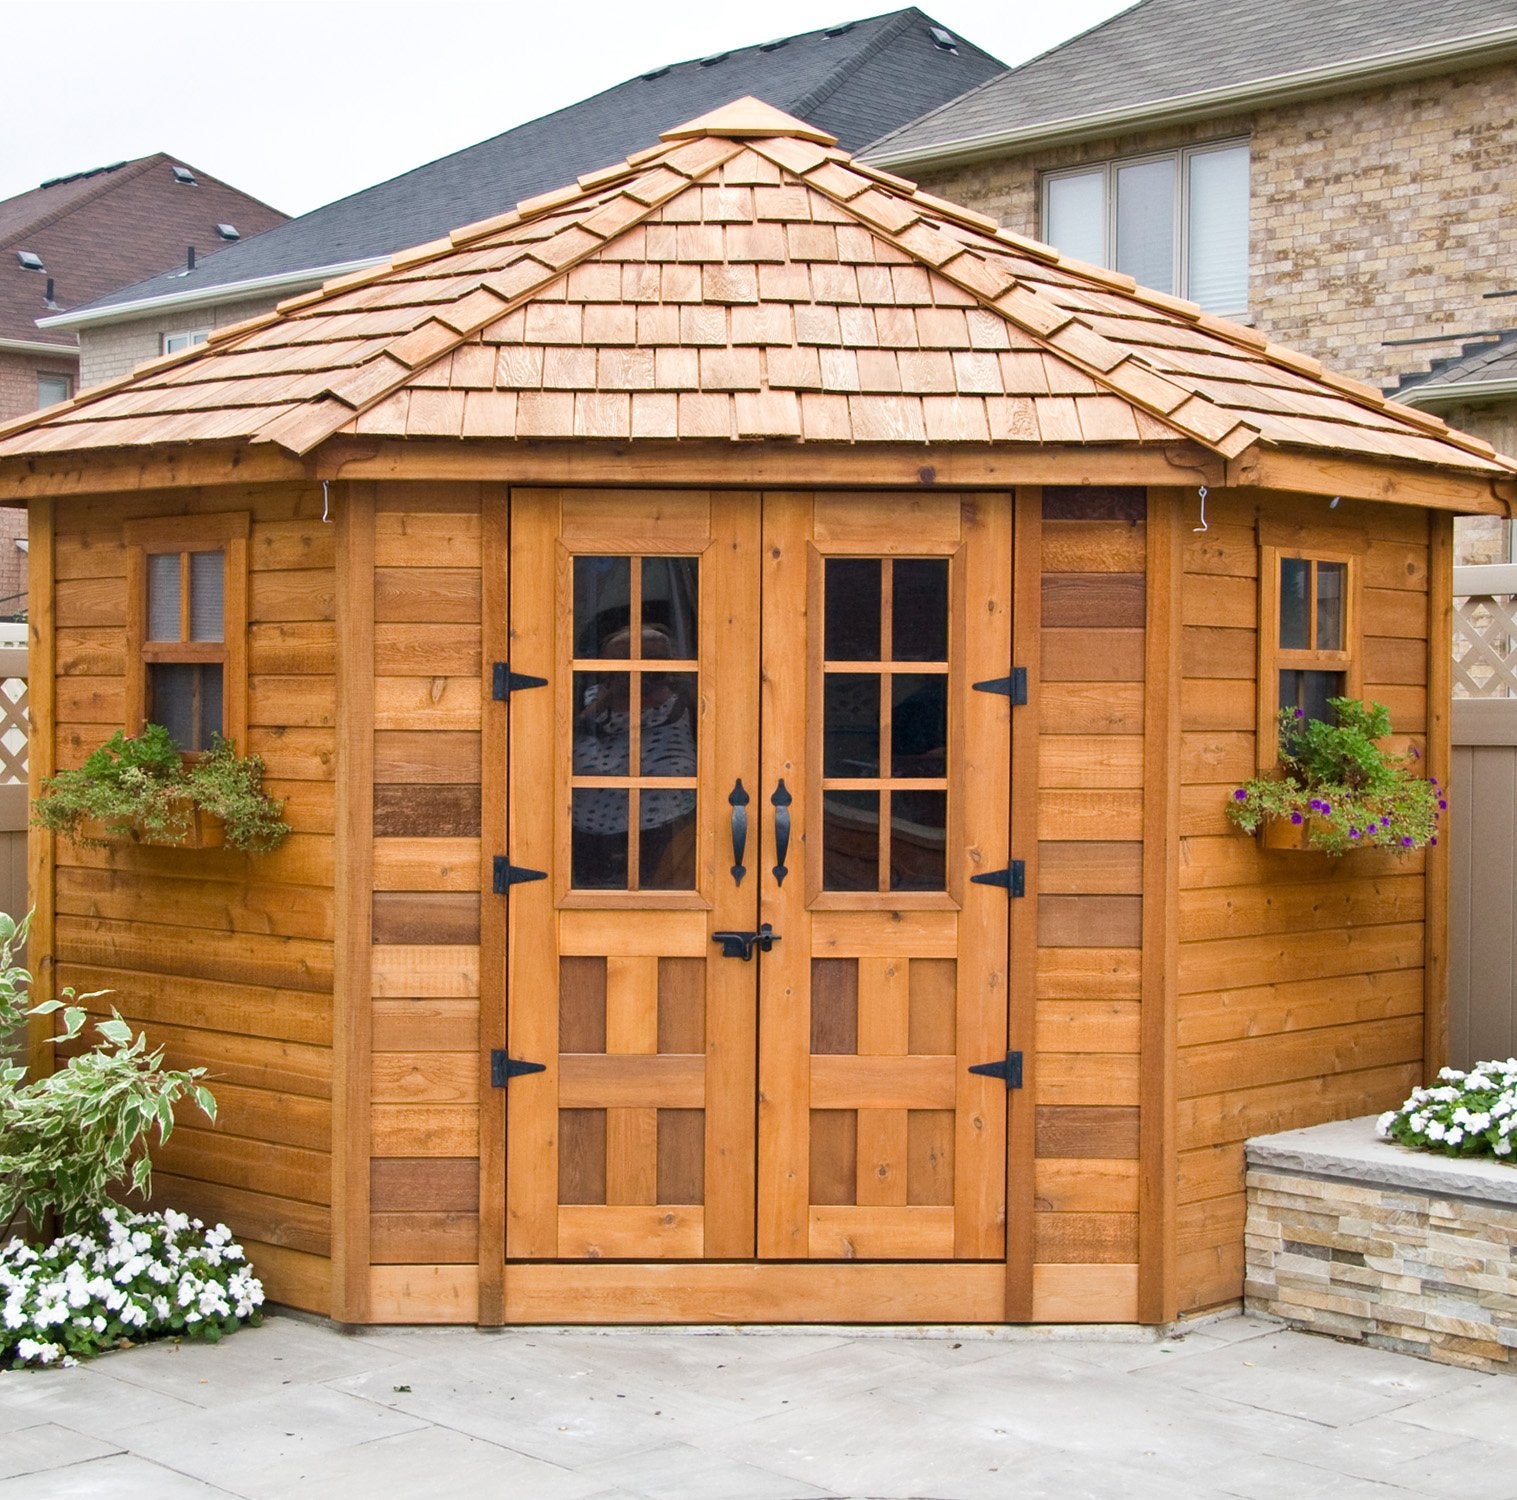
744,279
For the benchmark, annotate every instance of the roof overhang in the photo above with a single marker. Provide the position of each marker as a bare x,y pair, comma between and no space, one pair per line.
209,296
37,346
1390,67
1458,393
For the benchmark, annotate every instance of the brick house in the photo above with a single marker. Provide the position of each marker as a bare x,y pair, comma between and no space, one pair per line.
75,238
857,80
1343,177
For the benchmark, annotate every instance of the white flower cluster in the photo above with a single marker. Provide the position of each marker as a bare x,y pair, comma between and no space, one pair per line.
1463,1114
138,1276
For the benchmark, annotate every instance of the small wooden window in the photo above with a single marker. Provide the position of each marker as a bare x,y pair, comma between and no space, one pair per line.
187,628
1308,635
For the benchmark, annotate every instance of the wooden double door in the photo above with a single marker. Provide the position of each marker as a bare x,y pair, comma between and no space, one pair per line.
744,938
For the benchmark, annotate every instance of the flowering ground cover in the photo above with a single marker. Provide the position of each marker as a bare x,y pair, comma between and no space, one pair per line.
135,1277
1463,1114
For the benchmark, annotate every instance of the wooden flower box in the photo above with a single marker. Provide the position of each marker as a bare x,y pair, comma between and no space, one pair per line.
205,831
1283,835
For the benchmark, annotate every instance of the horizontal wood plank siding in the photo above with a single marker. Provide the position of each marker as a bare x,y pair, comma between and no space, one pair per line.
1301,989
223,958
424,1115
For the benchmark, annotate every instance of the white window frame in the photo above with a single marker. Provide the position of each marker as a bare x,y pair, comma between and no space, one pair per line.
183,338
1181,157
67,381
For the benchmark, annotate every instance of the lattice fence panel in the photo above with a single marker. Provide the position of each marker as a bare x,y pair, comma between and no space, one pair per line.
1485,646
14,729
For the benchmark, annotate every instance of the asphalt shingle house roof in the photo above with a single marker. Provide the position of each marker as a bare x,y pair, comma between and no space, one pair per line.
857,80
1162,51
1484,363
744,279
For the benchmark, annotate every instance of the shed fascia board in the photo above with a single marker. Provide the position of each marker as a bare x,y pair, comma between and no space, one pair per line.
1412,62
1457,393
37,346
210,296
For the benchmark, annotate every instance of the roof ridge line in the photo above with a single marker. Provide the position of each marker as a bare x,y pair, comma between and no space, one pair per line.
107,180
508,305
830,85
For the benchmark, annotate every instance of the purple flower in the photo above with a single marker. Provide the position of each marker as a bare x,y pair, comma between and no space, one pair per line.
1297,818
1353,833
1414,752
1325,808
1442,805
1406,841
1432,841
1299,714
1240,795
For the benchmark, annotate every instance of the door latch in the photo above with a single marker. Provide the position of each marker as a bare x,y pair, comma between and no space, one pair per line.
741,944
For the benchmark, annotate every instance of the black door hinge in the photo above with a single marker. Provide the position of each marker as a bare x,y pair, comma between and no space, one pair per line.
507,874
504,682
1010,1069
503,1069
1013,878
1013,687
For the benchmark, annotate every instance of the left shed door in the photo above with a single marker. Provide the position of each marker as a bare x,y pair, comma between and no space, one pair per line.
637,1142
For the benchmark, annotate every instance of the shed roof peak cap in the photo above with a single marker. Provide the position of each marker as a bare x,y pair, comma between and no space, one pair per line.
748,117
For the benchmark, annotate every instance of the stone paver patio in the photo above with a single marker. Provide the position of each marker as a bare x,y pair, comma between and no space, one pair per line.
1233,1407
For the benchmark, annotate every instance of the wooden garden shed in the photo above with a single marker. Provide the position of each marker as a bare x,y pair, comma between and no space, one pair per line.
744,645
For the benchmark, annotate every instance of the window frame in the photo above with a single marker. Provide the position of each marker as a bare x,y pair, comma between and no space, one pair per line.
1181,157
193,337
1274,658
224,532
66,380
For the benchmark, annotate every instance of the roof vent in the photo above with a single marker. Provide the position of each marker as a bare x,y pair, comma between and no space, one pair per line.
714,59
656,73
29,260
184,175
773,46
228,231
839,30
943,39
47,296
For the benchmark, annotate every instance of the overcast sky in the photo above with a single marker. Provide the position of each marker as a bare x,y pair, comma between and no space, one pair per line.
299,102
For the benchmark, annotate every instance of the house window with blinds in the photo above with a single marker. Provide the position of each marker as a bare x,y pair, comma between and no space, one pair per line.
187,627
1308,635
1176,221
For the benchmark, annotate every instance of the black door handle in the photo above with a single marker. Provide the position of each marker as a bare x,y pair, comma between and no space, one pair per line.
781,800
738,797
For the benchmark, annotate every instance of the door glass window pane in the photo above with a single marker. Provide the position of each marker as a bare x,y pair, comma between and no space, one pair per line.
852,609
1075,215
918,840
1146,223
850,841
207,594
1295,604
1309,691
1217,232
599,843
602,605
919,609
666,843
1332,580
602,723
671,606
919,725
668,724
163,596
851,724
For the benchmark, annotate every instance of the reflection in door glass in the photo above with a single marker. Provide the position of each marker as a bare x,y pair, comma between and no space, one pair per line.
919,609
918,838
850,841
853,609
670,614
602,604
919,725
851,724
600,838
602,721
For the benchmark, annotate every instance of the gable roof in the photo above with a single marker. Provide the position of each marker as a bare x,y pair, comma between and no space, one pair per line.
744,279
96,231
1485,369
858,80
1184,59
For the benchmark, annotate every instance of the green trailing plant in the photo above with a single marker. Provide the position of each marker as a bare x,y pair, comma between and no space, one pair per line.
69,1138
1335,779
142,787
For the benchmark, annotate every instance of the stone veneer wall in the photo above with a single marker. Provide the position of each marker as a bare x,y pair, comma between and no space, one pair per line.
1401,1249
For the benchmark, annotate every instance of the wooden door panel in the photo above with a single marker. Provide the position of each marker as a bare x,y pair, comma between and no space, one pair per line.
636,1142
875,1141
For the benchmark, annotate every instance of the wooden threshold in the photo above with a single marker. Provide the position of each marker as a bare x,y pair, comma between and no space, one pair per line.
709,1292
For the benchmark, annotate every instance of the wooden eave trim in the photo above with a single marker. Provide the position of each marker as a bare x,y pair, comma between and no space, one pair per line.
752,464
129,470
1423,485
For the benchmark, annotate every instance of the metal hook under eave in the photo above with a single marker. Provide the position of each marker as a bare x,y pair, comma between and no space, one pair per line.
326,503
1203,526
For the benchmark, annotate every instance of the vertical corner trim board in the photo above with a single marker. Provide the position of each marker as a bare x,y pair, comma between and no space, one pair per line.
42,762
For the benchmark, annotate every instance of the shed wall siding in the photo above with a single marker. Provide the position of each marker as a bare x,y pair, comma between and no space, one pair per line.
1301,977
224,958
1089,894
424,1173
